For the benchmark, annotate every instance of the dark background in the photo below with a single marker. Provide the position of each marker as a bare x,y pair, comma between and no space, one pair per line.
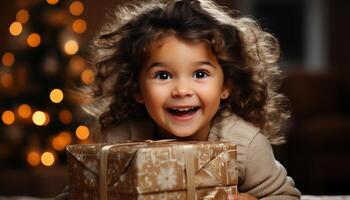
314,39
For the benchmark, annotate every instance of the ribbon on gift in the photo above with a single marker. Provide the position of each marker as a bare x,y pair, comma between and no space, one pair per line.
222,194
189,163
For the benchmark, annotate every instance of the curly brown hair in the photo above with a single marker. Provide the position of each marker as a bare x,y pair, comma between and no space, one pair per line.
247,54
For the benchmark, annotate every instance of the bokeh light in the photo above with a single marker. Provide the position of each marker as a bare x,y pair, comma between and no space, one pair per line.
8,117
33,158
82,132
8,59
79,26
24,111
56,95
65,116
16,28
52,2
76,65
88,76
47,158
47,118
76,8
71,47
6,80
60,142
39,118
22,16
33,40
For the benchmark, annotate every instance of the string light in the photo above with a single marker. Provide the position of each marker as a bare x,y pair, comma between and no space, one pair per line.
65,116
76,8
76,64
8,117
60,142
24,111
52,2
79,26
56,95
33,158
47,158
88,76
66,136
16,28
6,80
8,59
47,118
39,118
71,47
33,40
22,16
82,132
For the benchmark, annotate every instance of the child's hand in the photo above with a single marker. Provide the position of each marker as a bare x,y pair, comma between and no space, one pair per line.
242,196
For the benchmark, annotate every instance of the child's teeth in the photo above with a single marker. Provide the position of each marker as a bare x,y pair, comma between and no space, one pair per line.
182,109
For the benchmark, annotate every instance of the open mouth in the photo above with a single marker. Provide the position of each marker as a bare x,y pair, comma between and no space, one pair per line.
182,112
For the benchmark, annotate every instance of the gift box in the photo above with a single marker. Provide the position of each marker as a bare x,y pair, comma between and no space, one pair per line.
153,170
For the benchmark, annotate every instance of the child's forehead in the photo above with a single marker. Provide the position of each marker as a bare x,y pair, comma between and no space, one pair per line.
165,38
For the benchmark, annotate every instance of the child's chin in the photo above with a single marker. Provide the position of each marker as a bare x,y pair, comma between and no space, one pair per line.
183,135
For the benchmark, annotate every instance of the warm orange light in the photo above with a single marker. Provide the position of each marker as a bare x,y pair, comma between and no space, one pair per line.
61,141
6,80
39,118
52,2
82,132
71,47
24,111
8,117
34,40
76,8
8,59
65,116
76,64
79,26
88,76
66,137
33,158
22,16
58,143
47,158
16,28
56,95
47,118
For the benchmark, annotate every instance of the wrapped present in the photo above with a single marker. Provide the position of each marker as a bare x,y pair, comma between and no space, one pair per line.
153,170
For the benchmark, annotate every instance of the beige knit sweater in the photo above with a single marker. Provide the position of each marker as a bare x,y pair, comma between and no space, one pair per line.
259,173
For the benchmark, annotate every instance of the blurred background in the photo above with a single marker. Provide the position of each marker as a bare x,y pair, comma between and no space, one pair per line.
44,50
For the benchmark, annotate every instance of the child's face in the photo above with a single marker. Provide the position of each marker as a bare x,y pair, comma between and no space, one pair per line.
181,85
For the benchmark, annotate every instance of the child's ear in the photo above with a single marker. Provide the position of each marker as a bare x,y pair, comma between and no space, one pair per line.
137,94
225,93
138,97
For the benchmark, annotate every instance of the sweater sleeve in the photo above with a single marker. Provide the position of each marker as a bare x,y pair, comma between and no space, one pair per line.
265,178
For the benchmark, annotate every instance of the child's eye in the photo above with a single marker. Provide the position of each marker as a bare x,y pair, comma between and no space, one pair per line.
162,75
200,74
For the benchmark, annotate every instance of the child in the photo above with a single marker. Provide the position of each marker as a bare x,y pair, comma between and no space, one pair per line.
188,69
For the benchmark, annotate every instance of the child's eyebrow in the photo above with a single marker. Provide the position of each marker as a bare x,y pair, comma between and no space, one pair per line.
197,63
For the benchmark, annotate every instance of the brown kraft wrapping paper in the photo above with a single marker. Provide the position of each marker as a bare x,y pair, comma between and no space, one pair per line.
153,170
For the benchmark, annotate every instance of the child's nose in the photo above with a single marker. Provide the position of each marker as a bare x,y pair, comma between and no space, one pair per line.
182,88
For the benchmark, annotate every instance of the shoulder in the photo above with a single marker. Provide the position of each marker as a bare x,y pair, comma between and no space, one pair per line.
244,134
235,129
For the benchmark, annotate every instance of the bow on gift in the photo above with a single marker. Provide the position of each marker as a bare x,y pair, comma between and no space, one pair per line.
188,150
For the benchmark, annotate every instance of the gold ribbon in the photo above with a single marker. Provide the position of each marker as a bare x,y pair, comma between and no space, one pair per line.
190,172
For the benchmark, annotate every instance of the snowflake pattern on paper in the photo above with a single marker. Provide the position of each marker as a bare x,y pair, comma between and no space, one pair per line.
89,178
166,179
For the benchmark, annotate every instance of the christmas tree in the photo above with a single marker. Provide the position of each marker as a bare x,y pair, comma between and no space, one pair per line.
45,58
